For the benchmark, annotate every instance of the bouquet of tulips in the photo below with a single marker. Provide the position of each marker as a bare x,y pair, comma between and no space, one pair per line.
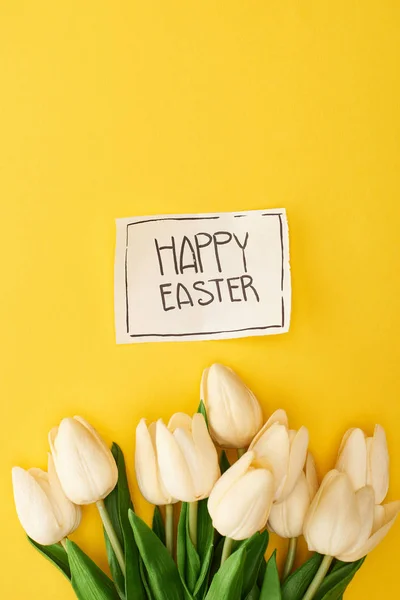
218,551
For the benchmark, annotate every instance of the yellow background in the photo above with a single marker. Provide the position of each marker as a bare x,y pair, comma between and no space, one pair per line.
112,109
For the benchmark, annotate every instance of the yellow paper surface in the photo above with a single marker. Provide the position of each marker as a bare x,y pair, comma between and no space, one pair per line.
113,109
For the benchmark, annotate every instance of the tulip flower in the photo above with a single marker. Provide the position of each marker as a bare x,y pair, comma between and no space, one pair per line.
187,457
344,523
86,469
44,511
284,449
147,467
188,463
84,463
241,500
366,460
233,412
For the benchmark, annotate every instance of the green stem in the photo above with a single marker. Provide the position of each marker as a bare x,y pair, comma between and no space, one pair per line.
226,550
319,577
193,509
169,528
64,544
241,451
291,555
112,536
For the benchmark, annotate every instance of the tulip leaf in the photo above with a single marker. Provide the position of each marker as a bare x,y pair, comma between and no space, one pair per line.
88,580
55,554
336,582
298,582
118,503
181,541
255,549
205,546
254,594
144,580
271,588
202,410
158,524
227,584
161,572
224,463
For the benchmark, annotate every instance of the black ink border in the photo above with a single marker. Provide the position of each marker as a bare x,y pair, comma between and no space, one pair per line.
194,333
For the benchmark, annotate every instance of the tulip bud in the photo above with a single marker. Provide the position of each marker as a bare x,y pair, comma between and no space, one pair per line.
366,460
233,412
84,463
333,522
44,511
284,449
187,457
146,466
287,517
241,500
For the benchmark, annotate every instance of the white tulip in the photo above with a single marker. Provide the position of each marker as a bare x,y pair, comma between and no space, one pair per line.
187,457
345,523
146,466
44,511
333,522
366,460
287,517
241,500
84,463
285,449
233,412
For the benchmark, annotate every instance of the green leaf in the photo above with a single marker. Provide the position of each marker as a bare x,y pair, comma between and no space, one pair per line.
336,582
205,546
144,580
118,503
161,572
228,581
298,582
255,549
88,580
158,524
55,554
254,594
271,588
202,410
224,463
181,541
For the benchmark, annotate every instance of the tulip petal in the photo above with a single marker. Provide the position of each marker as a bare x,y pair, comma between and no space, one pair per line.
273,447
244,509
174,470
297,459
378,464
207,455
352,458
146,467
34,509
228,479
311,475
279,416
391,511
332,524
286,518
181,420
67,514
365,499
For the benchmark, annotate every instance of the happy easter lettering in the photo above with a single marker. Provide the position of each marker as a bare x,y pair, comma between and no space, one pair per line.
188,254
